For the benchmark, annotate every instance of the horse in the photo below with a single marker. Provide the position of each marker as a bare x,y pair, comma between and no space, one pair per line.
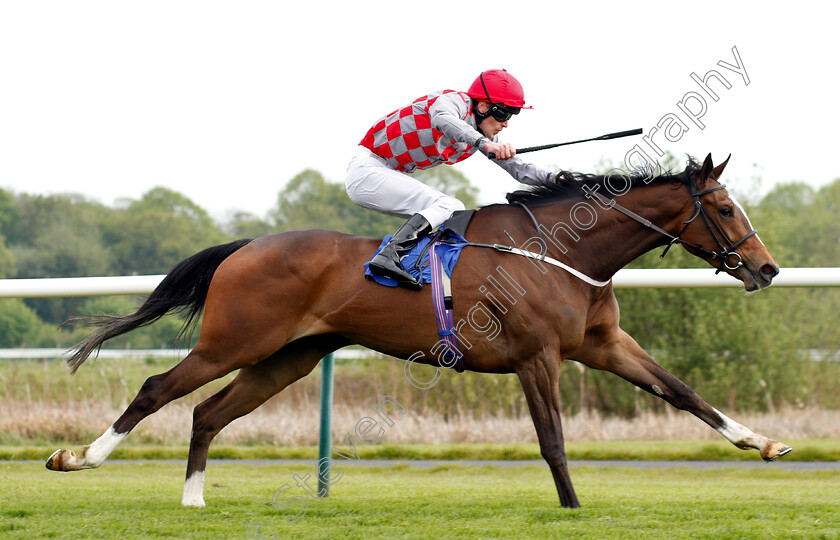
272,307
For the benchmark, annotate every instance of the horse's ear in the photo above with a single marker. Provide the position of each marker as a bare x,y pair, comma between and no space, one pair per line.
719,169
705,171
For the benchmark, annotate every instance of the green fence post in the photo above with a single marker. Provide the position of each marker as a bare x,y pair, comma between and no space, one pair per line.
324,447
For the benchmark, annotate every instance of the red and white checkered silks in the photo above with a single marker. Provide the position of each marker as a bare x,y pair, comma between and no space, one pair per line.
406,140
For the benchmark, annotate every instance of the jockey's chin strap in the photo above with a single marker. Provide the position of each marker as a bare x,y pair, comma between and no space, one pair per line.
726,249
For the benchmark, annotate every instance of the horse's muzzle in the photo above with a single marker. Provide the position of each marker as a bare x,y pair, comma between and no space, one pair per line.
762,278
768,272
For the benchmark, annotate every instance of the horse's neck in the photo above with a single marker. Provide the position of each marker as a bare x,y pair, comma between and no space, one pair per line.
599,241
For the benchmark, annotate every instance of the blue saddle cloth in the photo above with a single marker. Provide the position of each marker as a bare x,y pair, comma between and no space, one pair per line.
448,253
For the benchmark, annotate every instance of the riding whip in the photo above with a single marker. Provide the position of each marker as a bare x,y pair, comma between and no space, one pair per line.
608,136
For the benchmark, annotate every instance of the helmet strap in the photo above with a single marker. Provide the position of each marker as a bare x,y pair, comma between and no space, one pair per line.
487,94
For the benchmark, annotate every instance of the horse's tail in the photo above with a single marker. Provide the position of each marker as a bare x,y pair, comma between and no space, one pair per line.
184,289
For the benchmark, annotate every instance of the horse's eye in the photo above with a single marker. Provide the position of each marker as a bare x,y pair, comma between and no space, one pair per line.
726,212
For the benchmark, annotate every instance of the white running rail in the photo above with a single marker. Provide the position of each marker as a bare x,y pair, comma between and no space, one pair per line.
626,278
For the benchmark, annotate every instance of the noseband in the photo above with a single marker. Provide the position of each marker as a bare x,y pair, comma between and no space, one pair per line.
726,249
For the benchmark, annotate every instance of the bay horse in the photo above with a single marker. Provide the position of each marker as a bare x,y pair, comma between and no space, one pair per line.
274,306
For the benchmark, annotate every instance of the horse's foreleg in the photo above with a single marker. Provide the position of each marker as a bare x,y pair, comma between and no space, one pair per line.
624,357
540,381
91,456
252,387
193,372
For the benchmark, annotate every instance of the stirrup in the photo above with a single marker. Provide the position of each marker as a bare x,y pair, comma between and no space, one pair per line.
387,267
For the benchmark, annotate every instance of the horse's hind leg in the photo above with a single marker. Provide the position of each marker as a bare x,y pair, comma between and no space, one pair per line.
194,371
252,387
624,357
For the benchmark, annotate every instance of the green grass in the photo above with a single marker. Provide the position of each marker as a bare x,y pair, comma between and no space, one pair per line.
142,500
804,450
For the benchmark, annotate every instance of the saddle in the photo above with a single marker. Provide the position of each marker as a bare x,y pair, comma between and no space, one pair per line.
432,261
448,241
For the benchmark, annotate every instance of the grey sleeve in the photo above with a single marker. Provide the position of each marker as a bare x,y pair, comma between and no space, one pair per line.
527,173
446,113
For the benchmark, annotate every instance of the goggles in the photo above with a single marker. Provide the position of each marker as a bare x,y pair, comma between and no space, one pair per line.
498,110
501,113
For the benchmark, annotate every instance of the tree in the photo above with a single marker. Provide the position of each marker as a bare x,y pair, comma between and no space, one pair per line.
20,325
801,225
310,202
451,181
9,214
158,231
826,225
8,265
247,225
58,236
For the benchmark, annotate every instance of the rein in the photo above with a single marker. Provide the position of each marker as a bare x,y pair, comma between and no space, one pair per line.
725,251
531,255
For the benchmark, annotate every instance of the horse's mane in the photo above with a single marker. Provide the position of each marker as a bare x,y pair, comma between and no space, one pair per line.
570,183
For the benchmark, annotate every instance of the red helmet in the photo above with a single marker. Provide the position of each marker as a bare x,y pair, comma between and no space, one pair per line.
500,87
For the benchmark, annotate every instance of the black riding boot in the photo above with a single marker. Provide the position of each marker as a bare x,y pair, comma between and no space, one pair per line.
387,261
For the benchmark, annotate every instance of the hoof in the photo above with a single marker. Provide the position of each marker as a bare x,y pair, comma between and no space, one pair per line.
59,460
774,451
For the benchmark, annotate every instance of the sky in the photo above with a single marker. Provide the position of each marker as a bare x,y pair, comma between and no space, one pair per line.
225,102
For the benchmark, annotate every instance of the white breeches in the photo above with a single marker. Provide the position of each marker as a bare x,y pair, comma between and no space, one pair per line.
372,184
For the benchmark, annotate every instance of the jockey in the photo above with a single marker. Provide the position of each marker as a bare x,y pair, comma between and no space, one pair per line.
444,127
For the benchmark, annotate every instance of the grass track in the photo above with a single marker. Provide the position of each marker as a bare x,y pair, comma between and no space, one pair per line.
803,450
142,500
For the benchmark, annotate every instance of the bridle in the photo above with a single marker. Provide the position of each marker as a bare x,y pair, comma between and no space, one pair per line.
726,249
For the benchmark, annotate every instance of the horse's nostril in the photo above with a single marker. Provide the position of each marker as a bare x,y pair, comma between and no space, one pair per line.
769,271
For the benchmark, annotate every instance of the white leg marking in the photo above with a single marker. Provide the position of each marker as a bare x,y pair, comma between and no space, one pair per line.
745,438
194,490
101,448
91,456
740,436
